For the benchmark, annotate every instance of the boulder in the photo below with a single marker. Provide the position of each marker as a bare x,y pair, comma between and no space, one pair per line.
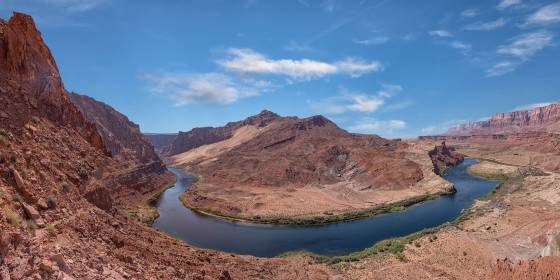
47,266
42,204
33,214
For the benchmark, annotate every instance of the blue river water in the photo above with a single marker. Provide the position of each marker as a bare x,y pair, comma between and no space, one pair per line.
332,239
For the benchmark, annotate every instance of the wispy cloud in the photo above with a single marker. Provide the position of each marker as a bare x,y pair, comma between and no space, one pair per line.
371,125
208,88
526,45
469,13
504,4
501,68
518,50
247,61
328,5
76,5
545,15
486,26
372,41
440,33
356,101
532,106
441,127
294,46
460,45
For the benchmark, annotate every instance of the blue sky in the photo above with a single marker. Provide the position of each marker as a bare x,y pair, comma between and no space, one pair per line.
395,68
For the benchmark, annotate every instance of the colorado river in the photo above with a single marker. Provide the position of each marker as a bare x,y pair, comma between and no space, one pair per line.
333,239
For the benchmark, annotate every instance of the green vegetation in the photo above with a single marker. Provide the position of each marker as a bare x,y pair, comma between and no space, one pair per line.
148,212
329,218
395,246
51,228
31,227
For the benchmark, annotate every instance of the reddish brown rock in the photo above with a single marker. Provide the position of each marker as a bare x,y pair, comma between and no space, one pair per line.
29,75
122,137
541,268
282,155
33,214
444,157
545,118
197,137
160,140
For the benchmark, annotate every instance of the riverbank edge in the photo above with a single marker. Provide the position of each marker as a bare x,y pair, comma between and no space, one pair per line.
397,245
149,205
347,216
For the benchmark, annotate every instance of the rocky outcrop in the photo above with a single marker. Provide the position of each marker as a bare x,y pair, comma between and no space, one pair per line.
545,118
30,84
122,137
311,154
444,157
541,268
197,137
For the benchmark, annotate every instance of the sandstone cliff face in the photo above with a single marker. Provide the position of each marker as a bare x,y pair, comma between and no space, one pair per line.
538,119
30,84
122,137
197,137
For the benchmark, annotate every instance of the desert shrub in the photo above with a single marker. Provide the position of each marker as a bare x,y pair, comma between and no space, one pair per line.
51,201
83,173
51,228
31,227
17,198
12,216
64,187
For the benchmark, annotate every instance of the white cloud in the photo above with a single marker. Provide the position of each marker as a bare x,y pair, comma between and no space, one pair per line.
545,15
526,45
460,45
532,106
519,50
247,61
76,5
356,101
501,68
469,13
208,88
369,125
440,33
372,41
441,127
488,25
504,4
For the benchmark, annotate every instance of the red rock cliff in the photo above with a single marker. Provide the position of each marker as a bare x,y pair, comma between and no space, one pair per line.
538,119
123,137
197,137
30,84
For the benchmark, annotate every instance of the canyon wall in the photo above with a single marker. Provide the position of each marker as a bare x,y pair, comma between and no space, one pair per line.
545,118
